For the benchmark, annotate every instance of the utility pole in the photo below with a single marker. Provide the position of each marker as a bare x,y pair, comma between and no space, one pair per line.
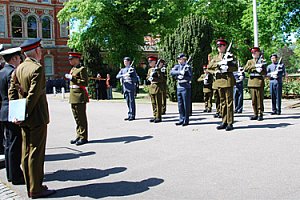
255,24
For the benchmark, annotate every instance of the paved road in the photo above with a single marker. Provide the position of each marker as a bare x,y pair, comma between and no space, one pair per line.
140,160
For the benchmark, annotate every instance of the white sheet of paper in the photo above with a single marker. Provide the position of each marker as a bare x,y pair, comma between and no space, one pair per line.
17,110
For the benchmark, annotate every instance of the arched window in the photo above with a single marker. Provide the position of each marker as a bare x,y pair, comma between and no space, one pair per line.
17,30
32,27
46,27
48,62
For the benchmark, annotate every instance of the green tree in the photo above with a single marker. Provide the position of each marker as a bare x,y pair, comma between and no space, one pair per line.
192,36
277,19
118,27
226,19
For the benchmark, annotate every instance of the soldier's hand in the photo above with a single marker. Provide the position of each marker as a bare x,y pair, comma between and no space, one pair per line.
258,69
258,65
222,62
68,76
224,68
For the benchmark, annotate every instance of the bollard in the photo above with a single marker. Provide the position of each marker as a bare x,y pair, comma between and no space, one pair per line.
62,92
54,90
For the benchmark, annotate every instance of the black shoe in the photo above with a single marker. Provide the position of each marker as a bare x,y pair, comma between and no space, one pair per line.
209,110
43,193
253,117
260,118
178,123
220,116
126,119
278,113
157,120
152,120
19,182
185,124
222,126
240,111
74,141
131,119
205,110
229,127
81,142
235,111
216,115
273,113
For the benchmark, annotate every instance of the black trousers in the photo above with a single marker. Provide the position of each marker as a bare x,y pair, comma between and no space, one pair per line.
13,151
1,138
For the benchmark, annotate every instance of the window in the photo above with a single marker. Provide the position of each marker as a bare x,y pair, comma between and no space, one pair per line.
45,1
32,27
64,30
17,30
48,61
46,27
2,26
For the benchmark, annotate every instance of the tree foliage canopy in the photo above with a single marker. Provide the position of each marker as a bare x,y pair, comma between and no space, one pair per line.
119,27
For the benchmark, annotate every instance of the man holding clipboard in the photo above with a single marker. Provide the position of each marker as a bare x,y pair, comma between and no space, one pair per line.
30,76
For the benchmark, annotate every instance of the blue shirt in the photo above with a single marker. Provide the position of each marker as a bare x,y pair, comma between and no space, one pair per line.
272,68
128,82
183,81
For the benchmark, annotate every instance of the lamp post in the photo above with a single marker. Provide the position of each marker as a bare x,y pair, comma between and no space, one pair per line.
255,24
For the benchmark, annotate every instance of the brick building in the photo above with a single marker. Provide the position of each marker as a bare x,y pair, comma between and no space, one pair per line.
23,19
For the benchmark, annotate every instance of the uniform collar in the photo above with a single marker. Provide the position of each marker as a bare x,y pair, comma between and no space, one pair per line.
33,59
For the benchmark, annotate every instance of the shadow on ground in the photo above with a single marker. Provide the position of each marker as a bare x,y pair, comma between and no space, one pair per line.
279,125
125,139
82,174
115,189
67,156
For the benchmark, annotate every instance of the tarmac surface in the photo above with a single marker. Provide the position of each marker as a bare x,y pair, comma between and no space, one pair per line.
142,160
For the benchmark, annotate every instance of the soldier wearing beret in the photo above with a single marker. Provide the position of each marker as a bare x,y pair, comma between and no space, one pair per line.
256,68
276,71
222,65
78,97
183,74
12,131
30,77
207,79
155,79
129,80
